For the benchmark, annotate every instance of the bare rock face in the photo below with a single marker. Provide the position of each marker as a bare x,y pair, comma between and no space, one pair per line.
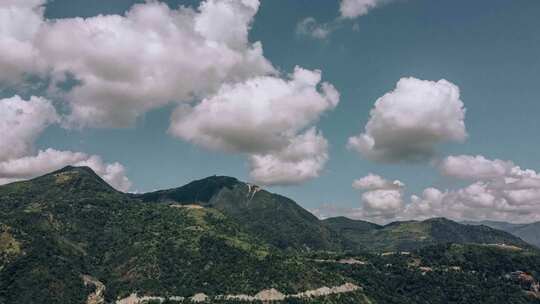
347,287
265,296
351,261
325,291
270,295
240,297
132,299
95,297
199,298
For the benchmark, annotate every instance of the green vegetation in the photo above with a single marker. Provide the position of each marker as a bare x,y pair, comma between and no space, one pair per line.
220,236
273,218
527,232
449,273
411,235
69,223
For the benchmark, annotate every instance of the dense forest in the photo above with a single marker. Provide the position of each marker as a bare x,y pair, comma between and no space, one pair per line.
224,237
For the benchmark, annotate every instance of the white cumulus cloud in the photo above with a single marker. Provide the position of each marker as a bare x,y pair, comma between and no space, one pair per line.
382,203
128,65
376,182
258,115
407,123
21,122
301,160
122,66
499,190
474,167
50,160
382,199
265,118
20,20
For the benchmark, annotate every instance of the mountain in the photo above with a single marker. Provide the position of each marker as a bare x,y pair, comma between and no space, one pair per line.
282,223
273,218
349,226
411,235
57,229
68,237
530,233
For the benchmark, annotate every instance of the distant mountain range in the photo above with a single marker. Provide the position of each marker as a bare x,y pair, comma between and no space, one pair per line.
411,235
69,237
527,232
274,218
282,223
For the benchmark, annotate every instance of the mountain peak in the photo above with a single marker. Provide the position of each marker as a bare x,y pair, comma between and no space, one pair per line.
220,180
82,177
441,220
75,169
201,190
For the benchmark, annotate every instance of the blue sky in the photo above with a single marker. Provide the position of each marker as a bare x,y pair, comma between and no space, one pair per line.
488,48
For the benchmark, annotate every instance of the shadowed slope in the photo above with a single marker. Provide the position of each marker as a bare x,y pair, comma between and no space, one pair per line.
274,218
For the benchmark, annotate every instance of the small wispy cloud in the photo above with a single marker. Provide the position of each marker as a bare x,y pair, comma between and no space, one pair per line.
310,27
348,9
355,8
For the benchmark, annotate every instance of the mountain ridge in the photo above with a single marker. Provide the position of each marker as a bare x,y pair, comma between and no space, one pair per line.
224,237
409,235
292,227
530,232
283,223
62,226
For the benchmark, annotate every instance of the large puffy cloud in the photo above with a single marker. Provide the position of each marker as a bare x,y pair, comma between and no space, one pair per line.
112,69
499,191
266,118
258,115
19,23
474,167
500,173
21,122
382,199
376,182
302,159
478,201
127,65
50,160
382,203
407,123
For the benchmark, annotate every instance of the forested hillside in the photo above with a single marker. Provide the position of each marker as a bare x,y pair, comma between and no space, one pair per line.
68,237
